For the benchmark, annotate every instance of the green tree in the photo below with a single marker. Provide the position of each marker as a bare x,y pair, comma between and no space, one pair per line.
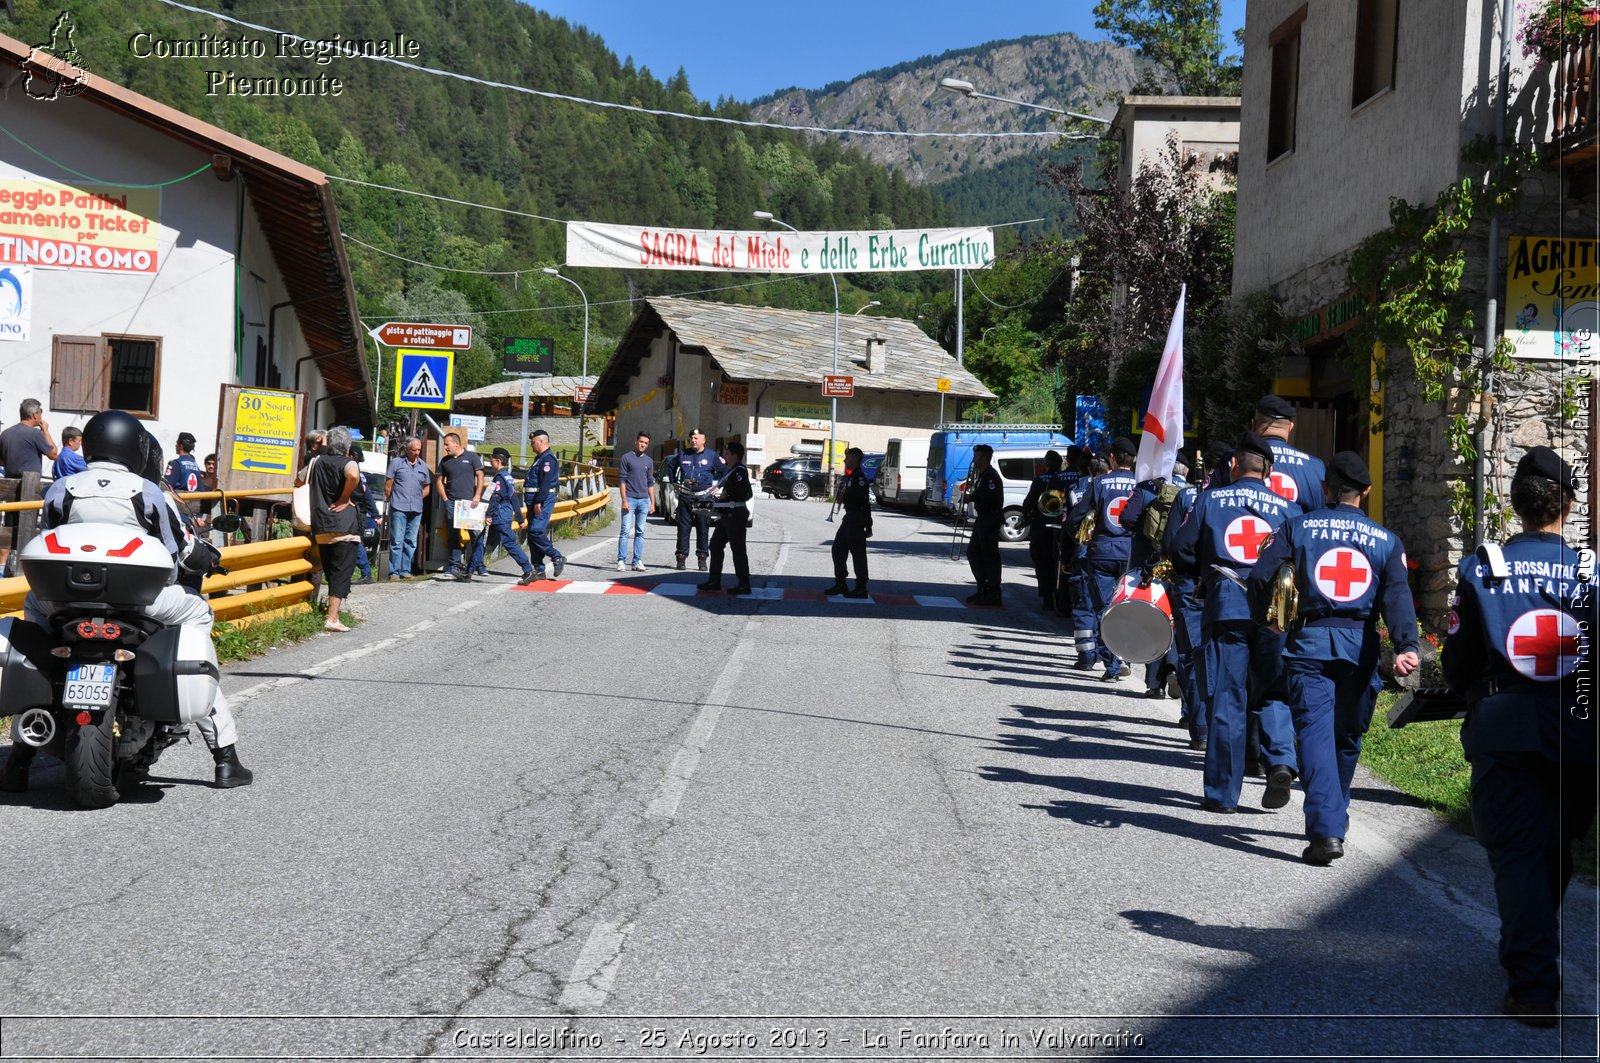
1182,38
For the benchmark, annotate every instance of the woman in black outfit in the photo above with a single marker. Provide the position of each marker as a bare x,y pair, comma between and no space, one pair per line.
335,520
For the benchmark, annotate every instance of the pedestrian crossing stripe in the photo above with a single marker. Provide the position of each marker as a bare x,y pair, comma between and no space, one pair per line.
424,379
758,594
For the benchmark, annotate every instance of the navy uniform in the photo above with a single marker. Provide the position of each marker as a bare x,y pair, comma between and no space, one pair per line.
1106,556
505,509
855,527
1080,609
1145,552
1186,611
1518,649
540,488
1348,570
1218,544
1043,542
1295,474
696,470
183,473
988,497
733,522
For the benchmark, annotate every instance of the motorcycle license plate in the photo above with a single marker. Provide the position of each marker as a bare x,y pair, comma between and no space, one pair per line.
90,685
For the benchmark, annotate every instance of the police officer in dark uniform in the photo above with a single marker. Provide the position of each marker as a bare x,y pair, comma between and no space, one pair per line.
697,469
1518,650
988,497
1348,569
733,521
855,527
505,510
540,488
1106,556
1043,542
1218,545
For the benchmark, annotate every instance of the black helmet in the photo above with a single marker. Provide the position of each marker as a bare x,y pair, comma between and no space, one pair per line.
154,467
117,436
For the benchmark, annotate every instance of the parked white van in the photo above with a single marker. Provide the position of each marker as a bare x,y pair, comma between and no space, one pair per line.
903,475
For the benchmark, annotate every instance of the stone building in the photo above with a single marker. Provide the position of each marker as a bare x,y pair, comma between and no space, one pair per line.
754,374
1206,127
1346,107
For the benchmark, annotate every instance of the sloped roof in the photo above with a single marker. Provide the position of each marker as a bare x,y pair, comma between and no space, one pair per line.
753,344
295,206
539,387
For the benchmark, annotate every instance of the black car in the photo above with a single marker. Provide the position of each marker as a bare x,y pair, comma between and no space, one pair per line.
796,478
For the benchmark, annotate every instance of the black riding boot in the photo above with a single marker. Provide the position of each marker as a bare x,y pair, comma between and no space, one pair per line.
229,771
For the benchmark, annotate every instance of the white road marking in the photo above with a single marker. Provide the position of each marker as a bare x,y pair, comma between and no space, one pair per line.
938,601
1439,892
596,968
676,783
675,590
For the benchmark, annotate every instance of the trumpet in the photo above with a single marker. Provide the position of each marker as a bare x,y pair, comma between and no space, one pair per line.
958,535
1051,503
1087,528
1283,608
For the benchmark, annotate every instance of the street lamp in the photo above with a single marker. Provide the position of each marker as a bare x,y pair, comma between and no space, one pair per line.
583,420
864,309
965,88
833,419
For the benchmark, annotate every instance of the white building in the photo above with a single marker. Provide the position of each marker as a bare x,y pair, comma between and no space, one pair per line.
1206,128
237,277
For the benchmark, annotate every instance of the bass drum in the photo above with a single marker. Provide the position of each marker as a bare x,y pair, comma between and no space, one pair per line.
1137,625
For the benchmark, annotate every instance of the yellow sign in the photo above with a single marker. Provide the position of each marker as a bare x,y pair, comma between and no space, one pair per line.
943,384
99,228
1552,297
815,416
264,430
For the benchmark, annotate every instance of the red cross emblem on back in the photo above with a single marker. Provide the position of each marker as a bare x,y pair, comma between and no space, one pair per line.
1282,485
1114,511
1342,574
1544,644
1244,537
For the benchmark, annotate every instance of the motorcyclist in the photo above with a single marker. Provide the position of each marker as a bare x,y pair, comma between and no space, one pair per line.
117,489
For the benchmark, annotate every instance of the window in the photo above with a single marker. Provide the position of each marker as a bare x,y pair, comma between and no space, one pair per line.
1019,468
1284,105
1377,24
92,373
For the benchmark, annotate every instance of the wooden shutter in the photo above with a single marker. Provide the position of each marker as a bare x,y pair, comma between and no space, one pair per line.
80,373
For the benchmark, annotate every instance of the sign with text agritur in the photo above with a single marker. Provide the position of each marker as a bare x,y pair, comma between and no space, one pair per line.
1553,298
769,251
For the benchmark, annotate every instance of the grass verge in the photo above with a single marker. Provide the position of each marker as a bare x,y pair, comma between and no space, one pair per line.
252,640
1425,761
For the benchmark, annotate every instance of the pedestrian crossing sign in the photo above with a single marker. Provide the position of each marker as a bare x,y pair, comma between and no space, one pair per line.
424,380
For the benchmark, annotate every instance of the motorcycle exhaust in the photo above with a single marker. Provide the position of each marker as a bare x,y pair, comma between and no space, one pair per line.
36,727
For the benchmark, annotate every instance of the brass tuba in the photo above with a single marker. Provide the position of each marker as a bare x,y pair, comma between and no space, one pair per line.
1051,503
1283,608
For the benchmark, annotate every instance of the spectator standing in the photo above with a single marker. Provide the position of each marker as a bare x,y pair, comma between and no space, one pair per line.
70,459
406,486
636,484
335,521
505,511
460,479
544,480
368,507
25,445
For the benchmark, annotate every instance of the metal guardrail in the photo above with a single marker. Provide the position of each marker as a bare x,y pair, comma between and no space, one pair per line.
279,569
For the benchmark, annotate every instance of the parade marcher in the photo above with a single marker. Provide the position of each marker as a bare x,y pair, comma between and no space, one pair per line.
1518,650
1348,570
855,527
460,479
1080,606
1296,475
70,458
695,469
1106,556
113,490
636,490
505,511
1150,509
183,471
1186,612
406,486
731,495
1043,543
1218,544
988,497
540,488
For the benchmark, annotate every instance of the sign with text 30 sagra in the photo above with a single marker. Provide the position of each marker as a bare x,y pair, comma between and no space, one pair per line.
769,251
838,387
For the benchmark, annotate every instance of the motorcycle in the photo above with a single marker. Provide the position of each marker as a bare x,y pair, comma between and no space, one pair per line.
102,687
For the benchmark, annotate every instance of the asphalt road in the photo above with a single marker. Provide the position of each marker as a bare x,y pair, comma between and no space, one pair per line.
499,823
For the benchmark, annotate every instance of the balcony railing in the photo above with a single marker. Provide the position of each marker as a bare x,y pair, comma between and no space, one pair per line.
1575,127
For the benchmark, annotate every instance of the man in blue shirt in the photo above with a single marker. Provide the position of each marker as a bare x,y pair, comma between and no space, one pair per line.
541,486
636,488
70,459
406,485
505,508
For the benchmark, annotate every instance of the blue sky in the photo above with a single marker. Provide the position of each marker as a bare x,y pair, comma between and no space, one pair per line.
744,50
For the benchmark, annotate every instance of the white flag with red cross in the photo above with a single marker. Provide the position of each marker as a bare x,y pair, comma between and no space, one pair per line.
1163,422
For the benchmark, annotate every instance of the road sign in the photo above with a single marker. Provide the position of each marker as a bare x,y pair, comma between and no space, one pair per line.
424,380
414,334
265,432
943,384
581,393
529,356
477,427
838,387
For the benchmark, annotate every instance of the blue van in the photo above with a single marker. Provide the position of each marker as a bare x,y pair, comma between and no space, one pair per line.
950,453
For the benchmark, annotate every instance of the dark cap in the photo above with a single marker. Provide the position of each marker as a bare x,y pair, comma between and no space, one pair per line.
502,454
1180,465
1124,446
696,432
1250,443
1276,408
185,440
1217,453
1544,462
1348,469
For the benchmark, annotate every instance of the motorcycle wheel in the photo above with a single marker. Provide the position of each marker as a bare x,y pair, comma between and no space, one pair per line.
91,761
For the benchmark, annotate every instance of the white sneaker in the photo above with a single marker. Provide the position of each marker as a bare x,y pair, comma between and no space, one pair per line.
638,566
622,566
